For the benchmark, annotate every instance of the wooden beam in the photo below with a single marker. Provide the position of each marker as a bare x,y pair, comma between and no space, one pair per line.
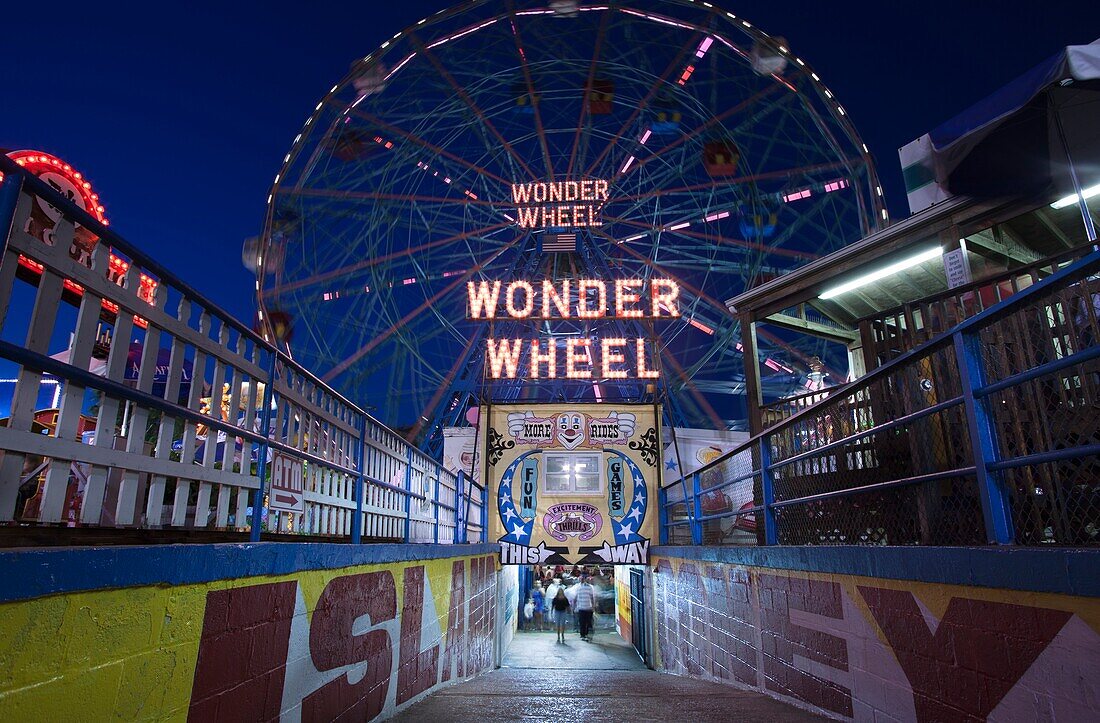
814,328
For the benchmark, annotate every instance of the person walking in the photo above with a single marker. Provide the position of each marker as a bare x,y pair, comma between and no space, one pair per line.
585,601
539,599
559,608
551,590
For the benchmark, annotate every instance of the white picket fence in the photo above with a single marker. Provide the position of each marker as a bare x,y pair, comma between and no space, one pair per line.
190,406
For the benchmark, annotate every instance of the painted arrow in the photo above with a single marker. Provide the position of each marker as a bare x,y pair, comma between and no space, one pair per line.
286,499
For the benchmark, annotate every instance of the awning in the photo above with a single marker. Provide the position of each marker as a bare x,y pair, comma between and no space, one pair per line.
1012,136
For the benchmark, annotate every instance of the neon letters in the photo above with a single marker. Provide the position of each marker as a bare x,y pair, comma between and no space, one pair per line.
559,204
571,357
573,299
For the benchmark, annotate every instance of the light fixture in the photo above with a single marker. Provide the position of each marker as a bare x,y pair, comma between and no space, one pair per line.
882,273
1072,198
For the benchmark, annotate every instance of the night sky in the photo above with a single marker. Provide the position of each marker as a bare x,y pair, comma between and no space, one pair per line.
181,119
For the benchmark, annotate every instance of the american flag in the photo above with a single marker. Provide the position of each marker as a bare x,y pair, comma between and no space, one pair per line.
557,243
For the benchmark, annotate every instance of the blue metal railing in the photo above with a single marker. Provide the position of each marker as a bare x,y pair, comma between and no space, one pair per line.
917,451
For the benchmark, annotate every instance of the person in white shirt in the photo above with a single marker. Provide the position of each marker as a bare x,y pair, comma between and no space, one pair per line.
585,605
552,589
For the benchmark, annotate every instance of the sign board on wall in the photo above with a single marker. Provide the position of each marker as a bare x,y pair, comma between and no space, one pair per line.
287,493
573,483
461,451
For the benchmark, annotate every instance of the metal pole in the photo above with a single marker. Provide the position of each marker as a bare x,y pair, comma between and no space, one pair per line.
459,483
662,516
435,504
767,490
261,466
1090,228
696,510
484,514
996,506
466,516
357,521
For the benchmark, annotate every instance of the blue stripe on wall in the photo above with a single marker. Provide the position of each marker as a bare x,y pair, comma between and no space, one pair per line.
34,573
1059,570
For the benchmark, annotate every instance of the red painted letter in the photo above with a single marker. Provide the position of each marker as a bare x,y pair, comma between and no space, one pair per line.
242,653
456,624
782,640
979,651
417,669
332,645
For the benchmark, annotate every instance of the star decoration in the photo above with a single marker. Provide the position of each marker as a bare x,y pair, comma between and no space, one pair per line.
635,513
625,531
517,532
670,464
508,514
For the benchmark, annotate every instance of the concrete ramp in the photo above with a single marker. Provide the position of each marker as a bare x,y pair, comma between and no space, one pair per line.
542,680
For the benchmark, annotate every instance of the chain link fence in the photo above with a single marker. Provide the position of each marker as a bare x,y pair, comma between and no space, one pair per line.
989,432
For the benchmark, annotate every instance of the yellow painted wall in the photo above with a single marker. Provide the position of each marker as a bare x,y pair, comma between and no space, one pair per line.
131,653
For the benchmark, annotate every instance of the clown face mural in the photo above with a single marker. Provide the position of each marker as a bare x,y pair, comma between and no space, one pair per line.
573,484
570,429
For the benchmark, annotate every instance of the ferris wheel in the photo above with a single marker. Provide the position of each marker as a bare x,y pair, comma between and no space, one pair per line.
725,161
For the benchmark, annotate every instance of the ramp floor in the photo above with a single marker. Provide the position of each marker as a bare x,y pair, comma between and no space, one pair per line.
545,681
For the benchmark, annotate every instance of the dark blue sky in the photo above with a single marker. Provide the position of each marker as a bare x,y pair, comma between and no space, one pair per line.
180,118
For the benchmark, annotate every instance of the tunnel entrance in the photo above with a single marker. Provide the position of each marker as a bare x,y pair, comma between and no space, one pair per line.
555,635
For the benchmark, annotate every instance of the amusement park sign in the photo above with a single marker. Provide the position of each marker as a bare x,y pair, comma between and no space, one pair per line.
582,358
559,204
573,484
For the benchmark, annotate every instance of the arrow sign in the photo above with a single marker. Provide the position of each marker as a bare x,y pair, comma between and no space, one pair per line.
287,493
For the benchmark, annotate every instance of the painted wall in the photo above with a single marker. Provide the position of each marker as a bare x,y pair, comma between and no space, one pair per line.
239,632
991,635
508,586
622,601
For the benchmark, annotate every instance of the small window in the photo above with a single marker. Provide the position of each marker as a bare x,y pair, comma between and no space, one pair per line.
573,474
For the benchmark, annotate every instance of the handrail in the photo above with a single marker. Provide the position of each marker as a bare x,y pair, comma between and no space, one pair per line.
803,395
1086,266
42,189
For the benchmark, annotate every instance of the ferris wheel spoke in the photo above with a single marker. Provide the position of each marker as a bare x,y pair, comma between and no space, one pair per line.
775,339
653,90
427,145
429,411
485,122
714,237
373,196
376,260
652,264
687,383
597,47
530,89
739,180
711,123
366,349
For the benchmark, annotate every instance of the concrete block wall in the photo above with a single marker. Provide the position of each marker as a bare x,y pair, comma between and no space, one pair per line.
242,632
888,634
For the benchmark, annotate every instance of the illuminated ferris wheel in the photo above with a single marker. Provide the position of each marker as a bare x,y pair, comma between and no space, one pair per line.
710,153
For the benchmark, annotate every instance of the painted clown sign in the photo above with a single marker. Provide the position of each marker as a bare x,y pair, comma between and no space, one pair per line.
573,483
